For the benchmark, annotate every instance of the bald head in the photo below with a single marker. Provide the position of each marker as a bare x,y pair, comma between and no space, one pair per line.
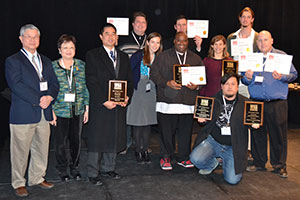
264,41
181,42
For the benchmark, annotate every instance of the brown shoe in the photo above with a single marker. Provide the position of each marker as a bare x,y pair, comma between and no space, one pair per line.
46,185
21,192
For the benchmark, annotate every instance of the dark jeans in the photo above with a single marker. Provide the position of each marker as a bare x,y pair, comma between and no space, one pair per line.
67,131
276,124
182,125
141,136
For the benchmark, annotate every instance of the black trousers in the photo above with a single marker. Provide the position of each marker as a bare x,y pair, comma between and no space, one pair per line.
67,131
276,124
141,137
182,125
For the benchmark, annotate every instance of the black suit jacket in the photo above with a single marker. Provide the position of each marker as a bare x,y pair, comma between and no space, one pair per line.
106,128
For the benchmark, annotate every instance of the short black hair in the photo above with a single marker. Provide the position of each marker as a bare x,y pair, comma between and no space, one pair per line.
227,76
107,25
179,17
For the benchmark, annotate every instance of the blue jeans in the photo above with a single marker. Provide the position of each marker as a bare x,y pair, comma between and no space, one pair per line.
204,157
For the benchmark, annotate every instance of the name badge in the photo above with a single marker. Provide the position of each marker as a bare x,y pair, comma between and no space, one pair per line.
44,86
259,79
69,97
225,130
148,87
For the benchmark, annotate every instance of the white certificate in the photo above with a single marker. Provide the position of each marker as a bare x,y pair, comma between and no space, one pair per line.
280,62
197,27
122,24
241,46
194,74
252,61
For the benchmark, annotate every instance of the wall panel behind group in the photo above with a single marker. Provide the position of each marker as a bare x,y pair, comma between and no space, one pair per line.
83,19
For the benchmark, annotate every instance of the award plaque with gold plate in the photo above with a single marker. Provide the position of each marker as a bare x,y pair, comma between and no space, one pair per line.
117,91
177,73
253,113
230,66
204,107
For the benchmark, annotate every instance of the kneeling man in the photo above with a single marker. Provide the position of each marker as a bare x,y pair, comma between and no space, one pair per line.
226,135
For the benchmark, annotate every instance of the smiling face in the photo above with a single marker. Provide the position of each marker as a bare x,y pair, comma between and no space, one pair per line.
218,47
154,44
264,42
67,50
230,88
246,19
181,42
181,25
109,37
30,40
139,25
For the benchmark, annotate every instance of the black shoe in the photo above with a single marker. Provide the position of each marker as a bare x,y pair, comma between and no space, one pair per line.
282,172
95,180
146,157
111,174
254,168
64,176
139,157
76,174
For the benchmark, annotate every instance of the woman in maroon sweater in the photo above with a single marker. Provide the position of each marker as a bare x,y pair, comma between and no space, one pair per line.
213,65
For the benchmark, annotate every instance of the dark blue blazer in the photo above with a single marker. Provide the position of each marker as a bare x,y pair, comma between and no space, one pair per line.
24,83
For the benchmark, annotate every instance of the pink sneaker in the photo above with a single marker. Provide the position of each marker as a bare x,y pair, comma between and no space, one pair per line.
165,164
186,164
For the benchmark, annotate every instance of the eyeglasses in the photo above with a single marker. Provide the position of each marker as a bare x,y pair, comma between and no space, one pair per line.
27,37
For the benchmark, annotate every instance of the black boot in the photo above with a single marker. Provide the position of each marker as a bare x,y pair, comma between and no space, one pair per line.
139,157
146,157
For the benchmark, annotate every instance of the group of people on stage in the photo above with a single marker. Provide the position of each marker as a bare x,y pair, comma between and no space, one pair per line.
68,93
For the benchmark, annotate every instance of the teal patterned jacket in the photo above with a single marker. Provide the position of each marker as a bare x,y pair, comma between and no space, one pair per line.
62,108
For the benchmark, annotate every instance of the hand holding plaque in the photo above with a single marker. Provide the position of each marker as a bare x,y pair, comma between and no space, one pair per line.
230,66
117,91
204,107
177,73
253,113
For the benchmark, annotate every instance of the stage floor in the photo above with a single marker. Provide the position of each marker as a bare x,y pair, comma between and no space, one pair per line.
148,181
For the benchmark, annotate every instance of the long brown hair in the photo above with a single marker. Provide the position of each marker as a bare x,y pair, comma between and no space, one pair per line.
215,39
147,58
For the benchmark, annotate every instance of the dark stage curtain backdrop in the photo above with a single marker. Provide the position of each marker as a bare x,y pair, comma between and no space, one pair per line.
83,19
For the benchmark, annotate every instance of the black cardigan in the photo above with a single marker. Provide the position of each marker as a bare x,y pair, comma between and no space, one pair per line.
239,131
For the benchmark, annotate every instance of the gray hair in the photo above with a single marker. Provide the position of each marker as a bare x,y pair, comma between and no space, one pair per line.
28,26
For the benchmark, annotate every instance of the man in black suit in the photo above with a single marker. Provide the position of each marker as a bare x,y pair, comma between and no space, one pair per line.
34,87
107,125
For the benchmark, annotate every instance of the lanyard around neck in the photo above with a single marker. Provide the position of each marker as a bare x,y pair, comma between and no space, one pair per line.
140,46
184,58
38,67
227,113
70,78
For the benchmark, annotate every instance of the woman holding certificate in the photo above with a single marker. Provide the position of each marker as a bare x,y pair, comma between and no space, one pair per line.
213,65
70,110
141,112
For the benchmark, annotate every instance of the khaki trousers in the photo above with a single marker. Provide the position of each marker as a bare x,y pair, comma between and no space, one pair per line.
25,138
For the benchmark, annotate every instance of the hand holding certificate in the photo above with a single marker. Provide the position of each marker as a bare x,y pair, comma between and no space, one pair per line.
193,74
197,27
252,61
278,62
241,47
121,24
